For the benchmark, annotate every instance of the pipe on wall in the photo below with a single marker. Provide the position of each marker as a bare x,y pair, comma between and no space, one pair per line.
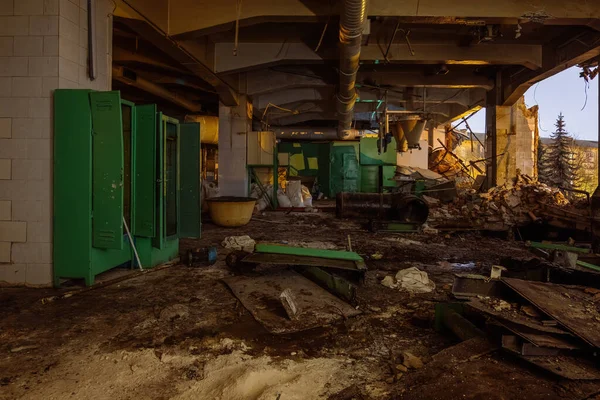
352,21
313,133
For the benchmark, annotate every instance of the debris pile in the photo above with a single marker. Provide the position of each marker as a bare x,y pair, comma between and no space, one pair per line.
549,325
500,208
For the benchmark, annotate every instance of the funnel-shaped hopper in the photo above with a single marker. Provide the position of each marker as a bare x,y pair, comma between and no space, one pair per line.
407,132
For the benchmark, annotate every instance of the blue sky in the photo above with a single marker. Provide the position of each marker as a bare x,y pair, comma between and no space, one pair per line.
562,92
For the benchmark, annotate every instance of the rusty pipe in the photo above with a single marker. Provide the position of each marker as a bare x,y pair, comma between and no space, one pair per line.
352,21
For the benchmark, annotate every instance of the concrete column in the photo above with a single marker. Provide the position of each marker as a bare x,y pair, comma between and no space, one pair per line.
234,125
43,46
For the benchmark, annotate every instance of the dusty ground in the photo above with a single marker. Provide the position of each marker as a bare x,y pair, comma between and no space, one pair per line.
179,333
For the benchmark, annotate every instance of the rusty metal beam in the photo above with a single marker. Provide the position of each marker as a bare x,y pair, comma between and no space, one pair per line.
258,55
206,16
227,94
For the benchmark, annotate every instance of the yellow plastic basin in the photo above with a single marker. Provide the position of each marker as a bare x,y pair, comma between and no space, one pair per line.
231,211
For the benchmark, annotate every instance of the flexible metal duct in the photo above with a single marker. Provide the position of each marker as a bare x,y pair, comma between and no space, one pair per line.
352,20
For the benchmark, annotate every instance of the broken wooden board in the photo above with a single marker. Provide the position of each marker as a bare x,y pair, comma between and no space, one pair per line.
292,259
561,342
261,296
304,251
518,319
570,306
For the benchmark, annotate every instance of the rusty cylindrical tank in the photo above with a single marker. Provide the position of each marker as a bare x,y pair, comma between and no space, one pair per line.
383,206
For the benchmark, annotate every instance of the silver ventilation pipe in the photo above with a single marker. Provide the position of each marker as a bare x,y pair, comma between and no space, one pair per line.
352,21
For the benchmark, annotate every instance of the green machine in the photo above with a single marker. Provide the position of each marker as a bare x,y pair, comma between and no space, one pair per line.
117,166
376,169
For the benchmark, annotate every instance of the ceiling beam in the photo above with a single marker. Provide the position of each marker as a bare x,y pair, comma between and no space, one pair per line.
269,81
253,55
227,94
130,78
290,97
205,15
557,56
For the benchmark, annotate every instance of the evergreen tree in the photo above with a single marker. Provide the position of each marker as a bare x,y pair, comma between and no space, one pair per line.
542,163
560,165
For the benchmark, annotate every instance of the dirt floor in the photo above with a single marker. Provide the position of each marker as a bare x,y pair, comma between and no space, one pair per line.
179,333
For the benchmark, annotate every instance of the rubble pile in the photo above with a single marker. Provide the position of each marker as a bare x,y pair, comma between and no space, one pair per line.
500,208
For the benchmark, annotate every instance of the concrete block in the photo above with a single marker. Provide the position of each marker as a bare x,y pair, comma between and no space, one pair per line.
26,87
51,45
6,7
13,66
31,253
14,26
30,128
5,87
27,169
39,149
67,84
27,211
68,70
39,275
83,37
68,49
51,7
38,190
69,30
6,46
13,108
29,46
83,56
13,273
29,7
5,168
13,149
43,66
4,252
49,84
13,231
70,11
39,232
5,128
40,107
5,210
83,16
46,25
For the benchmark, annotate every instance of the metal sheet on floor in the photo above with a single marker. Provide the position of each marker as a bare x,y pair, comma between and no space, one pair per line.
570,306
260,295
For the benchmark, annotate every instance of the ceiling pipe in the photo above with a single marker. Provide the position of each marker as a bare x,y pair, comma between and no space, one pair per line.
352,21
313,133
130,78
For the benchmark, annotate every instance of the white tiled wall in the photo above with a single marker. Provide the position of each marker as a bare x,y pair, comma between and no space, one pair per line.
43,46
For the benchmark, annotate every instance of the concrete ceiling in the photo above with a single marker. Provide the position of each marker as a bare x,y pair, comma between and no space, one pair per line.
439,60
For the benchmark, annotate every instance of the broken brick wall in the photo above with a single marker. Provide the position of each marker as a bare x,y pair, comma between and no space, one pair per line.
516,137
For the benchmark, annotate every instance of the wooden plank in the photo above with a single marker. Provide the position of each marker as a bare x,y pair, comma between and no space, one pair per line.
290,259
570,306
302,251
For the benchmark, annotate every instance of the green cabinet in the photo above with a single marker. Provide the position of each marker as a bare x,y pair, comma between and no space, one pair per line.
114,162
191,188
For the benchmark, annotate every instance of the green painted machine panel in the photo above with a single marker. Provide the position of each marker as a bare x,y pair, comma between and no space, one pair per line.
159,236
345,173
190,180
150,256
369,178
369,154
145,171
72,185
389,171
107,170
